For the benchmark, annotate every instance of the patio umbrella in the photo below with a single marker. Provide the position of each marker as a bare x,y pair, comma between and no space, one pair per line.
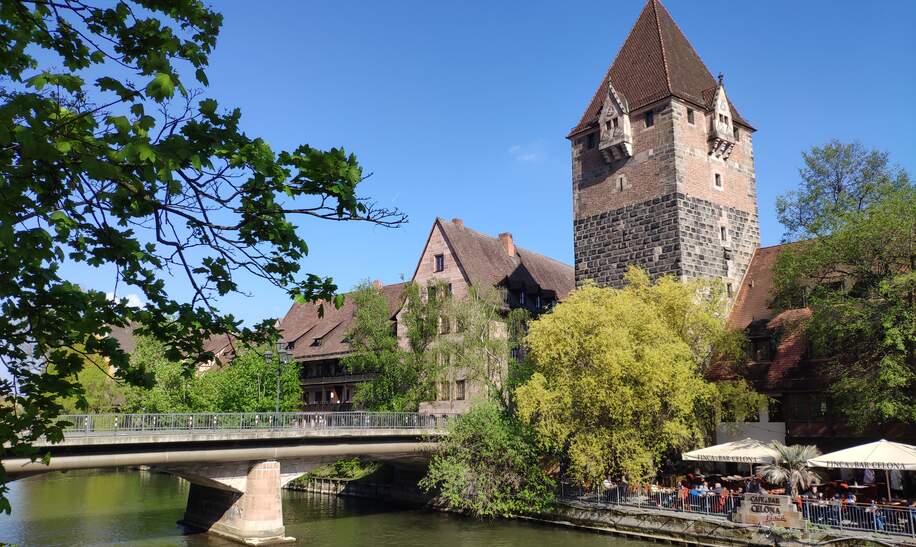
749,451
881,454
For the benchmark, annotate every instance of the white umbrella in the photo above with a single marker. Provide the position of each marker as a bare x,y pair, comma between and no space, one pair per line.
881,454
749,451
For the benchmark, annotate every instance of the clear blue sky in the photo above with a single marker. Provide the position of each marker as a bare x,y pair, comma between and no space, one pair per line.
461,109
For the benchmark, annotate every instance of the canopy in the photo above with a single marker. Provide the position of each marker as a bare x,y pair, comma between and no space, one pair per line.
881,454
743,451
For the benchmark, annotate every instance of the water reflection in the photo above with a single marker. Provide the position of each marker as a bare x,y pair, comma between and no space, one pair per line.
127,507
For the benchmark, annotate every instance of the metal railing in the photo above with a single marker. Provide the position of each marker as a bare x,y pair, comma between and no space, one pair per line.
863,517
665,499
882,519
121,424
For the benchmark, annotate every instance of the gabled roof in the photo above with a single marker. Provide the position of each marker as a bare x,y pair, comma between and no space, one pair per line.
655,62
485,261
752,303
315,337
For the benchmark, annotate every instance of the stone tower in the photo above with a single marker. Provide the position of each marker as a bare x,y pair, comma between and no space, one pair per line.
663,166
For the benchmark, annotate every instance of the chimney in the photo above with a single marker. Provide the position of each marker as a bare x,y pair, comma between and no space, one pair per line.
506,239
377,284
458,222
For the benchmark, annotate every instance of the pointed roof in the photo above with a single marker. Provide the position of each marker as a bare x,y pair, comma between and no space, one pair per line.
655,62
485,262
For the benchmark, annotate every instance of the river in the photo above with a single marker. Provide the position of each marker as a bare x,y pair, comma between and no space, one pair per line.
128,507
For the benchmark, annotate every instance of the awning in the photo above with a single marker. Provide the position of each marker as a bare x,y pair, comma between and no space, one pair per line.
881,454
743,451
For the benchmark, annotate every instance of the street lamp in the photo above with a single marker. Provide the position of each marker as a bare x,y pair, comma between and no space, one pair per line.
283,357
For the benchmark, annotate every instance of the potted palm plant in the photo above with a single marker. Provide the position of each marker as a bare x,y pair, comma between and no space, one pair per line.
790,467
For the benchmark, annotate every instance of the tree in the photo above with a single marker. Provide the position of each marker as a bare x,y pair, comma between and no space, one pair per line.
481,334
489,465
837,178
618,374
859,281
247,384
791,467
135,172
375,350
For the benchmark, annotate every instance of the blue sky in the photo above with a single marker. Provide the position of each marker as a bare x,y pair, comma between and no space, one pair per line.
461,109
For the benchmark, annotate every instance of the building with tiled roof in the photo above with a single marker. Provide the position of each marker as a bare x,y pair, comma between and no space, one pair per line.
454,255
784,367
662,165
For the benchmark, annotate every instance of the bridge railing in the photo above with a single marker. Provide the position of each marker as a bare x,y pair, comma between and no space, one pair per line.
113,424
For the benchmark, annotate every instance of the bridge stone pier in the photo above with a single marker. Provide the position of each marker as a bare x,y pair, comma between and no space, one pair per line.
236,463
249,511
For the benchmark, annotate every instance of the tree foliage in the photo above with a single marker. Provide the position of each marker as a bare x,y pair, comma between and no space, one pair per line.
791,467
837,178
110,159
375,350
859,281
248,384
618,374
490,465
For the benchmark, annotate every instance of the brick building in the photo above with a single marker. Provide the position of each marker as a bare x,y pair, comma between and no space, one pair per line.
452,254
662,166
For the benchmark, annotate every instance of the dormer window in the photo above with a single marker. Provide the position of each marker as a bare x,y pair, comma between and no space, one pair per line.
521,298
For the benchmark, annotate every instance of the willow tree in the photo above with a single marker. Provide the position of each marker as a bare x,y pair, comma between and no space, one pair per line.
618,378
110,159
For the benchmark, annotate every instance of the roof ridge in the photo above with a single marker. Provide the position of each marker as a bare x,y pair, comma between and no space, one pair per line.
661,44
687,40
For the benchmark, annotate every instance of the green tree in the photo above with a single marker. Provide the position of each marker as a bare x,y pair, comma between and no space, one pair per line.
618,380
859,281
175,388
490,465
837,178
791,467
375,350
249,384
109,158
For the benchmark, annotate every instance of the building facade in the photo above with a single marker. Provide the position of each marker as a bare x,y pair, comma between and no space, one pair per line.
453,256
662,166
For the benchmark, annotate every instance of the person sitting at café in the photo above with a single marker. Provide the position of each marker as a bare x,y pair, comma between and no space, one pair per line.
850,497
878,519
814,494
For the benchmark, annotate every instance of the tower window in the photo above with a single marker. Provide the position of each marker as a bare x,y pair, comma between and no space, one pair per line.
590,141
620,182
690,116
737,135
459,390
723,233
650,118
616,123
730,289
718,181
440,263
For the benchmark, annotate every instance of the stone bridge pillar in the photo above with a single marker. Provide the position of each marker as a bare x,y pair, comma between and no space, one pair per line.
250,511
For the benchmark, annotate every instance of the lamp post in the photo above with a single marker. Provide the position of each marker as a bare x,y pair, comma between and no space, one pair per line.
283,357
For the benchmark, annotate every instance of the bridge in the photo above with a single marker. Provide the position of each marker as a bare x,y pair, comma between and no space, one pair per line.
236,462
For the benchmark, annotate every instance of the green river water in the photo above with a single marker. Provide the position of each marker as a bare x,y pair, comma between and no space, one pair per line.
141,508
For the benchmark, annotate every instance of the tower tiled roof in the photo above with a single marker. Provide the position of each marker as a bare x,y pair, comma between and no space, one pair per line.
486,262
655,62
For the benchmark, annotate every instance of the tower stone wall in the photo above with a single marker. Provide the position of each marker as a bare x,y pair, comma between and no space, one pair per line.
681,197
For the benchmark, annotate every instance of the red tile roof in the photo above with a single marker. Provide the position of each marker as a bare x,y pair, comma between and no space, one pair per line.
655,62
752,302
315,337
486,262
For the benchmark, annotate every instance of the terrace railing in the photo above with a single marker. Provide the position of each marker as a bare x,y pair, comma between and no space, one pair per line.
882,519
125,424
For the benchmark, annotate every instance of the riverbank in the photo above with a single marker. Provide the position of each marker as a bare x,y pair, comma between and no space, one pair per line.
628,522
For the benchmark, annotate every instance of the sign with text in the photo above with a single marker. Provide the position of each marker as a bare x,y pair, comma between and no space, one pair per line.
769,510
